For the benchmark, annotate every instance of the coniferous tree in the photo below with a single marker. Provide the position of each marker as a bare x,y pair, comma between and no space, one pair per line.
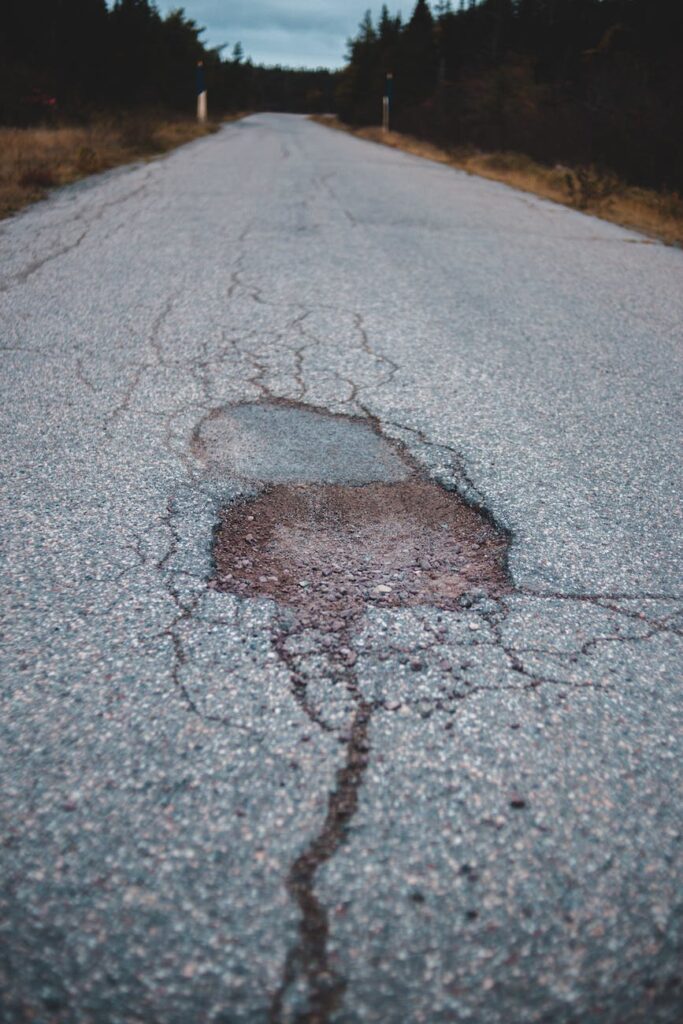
578,81
416,72
70,59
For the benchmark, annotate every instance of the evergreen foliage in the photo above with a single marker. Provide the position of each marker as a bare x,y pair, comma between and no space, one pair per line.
592,82
70,59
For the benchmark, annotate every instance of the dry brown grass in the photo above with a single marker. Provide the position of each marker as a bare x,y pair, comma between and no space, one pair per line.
657,214
32,160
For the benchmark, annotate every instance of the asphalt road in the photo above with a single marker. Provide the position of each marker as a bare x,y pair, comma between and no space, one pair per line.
485,825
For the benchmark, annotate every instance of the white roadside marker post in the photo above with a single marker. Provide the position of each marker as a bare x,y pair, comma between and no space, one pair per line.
201,93
386,102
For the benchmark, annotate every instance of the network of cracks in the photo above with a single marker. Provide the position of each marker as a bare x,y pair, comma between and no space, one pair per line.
343,520
337,522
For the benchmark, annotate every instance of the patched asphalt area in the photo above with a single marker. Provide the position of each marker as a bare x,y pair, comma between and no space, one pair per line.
471,813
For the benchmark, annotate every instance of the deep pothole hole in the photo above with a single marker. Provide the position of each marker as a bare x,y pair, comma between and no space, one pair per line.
372,531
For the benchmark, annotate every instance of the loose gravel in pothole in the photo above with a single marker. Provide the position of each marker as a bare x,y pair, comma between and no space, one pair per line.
329,550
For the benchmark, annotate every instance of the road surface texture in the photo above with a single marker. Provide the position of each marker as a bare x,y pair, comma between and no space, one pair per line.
217,807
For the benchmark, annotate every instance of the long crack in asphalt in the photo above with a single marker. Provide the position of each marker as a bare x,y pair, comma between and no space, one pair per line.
325,552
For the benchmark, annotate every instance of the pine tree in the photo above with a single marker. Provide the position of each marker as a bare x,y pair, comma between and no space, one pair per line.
418,57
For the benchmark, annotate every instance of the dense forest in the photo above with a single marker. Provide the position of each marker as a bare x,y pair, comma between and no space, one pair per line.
71,59
587,82
582,82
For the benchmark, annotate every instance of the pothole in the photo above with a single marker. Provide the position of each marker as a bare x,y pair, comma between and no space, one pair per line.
329,551
343,518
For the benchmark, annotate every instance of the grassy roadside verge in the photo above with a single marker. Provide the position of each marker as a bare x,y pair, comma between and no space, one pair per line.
33,160
657,214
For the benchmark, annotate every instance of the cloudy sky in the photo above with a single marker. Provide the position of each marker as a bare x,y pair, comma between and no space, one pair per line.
296,33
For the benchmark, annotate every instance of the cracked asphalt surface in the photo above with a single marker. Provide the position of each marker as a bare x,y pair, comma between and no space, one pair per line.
496,837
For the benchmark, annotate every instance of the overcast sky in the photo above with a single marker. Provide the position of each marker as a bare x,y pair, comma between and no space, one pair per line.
295,33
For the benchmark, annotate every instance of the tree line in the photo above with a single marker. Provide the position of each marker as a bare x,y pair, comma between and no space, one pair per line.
72,59
583,82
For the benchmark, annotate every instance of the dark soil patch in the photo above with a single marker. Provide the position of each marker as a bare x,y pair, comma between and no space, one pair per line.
329,550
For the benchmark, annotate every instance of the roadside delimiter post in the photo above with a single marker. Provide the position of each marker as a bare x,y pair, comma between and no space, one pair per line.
201,93
386,101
